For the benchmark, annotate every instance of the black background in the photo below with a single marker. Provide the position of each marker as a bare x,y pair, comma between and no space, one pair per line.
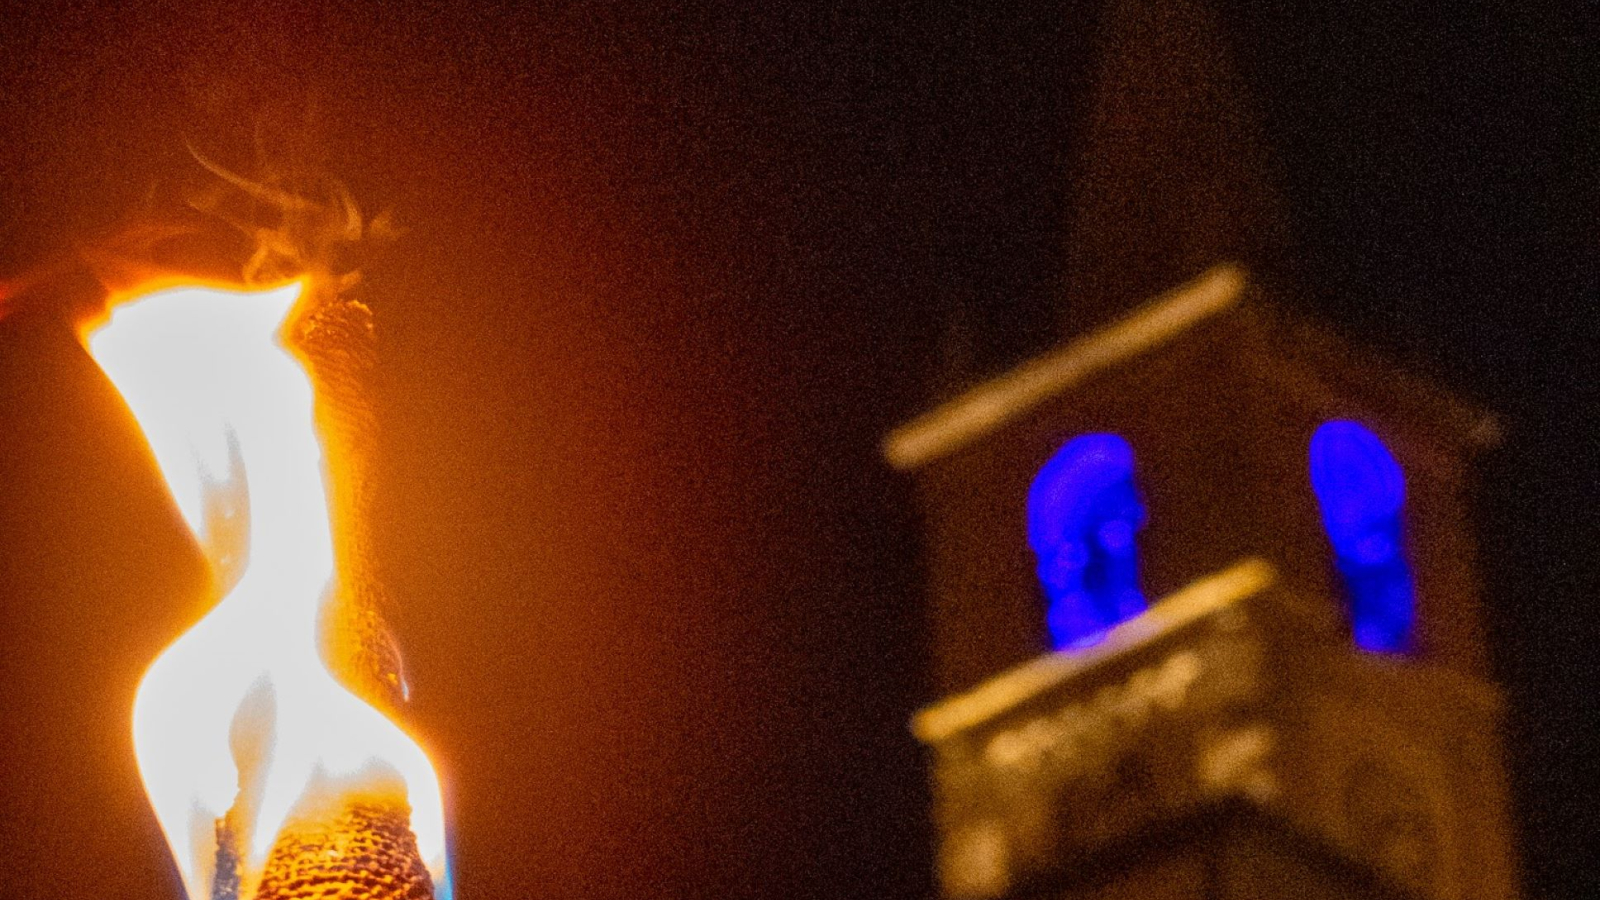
669,273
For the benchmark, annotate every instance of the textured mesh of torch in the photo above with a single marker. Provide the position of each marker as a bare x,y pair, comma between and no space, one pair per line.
339,344
359,848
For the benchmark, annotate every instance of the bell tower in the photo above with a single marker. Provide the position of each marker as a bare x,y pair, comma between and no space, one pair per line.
1243,654
1202,609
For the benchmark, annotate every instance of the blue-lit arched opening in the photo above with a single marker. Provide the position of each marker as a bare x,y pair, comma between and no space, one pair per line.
1083,512
1361,491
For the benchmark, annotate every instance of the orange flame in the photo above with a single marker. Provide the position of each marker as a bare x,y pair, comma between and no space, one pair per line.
240,719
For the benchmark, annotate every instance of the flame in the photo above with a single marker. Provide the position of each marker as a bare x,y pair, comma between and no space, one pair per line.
240,721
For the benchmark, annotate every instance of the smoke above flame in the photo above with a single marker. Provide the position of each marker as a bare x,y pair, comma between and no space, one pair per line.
299,220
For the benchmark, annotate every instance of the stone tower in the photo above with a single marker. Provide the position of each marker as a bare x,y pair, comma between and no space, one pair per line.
1202,608
1298,703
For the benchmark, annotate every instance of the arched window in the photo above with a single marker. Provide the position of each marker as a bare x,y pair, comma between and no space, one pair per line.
1361,491
1083,513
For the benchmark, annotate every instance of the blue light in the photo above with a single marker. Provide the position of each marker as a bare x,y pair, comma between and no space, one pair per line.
1361,492
1083,513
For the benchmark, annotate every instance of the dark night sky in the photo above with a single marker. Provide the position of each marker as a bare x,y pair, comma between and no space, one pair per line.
668,276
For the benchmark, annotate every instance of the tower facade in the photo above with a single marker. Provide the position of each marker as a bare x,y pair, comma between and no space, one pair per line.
1204,619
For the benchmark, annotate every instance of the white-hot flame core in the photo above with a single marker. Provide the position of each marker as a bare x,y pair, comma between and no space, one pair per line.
241,711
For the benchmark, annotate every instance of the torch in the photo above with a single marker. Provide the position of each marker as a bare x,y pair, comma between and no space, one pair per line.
263,734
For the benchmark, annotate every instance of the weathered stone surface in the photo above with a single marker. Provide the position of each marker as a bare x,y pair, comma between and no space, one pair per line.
1223,695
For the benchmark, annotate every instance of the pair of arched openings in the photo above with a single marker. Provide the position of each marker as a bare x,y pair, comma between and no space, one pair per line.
1085,512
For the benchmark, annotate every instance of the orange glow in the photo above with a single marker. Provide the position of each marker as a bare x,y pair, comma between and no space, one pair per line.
241,713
